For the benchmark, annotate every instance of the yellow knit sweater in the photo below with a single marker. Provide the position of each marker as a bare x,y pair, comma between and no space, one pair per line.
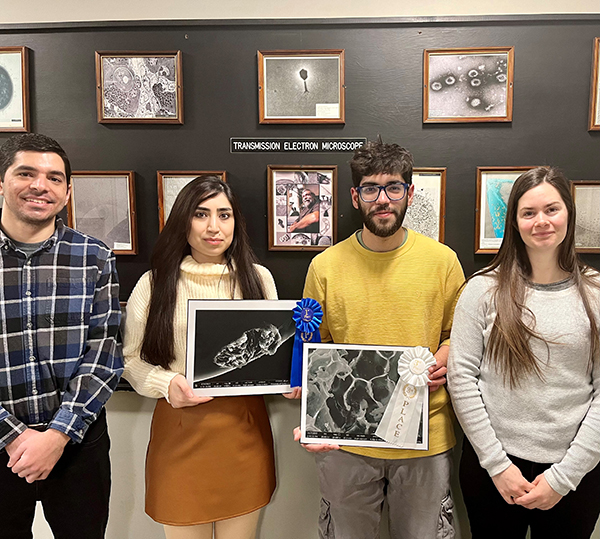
404,297
196,281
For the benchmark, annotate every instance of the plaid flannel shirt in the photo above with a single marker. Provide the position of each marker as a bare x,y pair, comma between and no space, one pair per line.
59,316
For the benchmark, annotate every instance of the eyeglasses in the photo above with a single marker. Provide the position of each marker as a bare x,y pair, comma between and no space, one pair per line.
394,191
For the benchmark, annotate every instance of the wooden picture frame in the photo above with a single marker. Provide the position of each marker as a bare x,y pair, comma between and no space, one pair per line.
170,182
493,189
586,197
301,87
468,85
102,205
427,213
594,116
14,89
297,192
120,76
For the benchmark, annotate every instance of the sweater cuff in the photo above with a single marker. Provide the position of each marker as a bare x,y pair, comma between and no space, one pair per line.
161,380
499,467
552,480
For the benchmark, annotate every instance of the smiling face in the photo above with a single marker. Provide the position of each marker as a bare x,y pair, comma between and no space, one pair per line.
212,230
383,217
542,218
35,190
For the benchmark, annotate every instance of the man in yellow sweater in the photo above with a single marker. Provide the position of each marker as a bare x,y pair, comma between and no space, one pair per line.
386,285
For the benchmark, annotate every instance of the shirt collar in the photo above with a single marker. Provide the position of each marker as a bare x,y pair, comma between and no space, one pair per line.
59,230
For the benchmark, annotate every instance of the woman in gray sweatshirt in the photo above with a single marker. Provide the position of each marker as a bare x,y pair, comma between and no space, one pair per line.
524,374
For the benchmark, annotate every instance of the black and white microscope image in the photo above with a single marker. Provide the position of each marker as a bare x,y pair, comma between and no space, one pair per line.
245,348
347,391
468,85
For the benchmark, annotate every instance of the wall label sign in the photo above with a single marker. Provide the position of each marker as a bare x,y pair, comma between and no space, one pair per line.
304,145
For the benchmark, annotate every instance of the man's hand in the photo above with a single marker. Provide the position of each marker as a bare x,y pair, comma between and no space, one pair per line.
542,496
182,395
437,373
511,484
34,454
314,448
296,393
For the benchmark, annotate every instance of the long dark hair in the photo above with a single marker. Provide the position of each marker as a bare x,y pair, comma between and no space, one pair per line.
508,345
172,247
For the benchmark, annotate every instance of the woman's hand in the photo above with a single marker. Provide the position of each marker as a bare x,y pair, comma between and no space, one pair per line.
511,484
296,393
314,448
182,395
542,496
437,373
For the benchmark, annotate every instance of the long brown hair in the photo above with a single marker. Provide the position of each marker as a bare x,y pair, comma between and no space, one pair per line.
508,345
172,247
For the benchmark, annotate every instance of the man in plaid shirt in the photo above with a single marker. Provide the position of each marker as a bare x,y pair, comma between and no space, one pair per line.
59,357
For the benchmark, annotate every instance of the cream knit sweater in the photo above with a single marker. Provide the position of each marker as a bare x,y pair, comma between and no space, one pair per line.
197,281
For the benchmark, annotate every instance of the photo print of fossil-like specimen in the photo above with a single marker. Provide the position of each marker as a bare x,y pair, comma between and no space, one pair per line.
426,213
586,195
346,389
14,89
463,85
240,347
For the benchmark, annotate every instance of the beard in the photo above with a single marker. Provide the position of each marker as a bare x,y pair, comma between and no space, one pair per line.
384,230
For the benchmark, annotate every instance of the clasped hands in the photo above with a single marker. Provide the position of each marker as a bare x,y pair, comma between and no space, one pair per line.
516,490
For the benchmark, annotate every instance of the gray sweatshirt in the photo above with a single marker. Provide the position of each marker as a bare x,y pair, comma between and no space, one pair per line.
554,420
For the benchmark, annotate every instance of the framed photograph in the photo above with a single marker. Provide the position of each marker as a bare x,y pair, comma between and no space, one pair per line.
494,185
468,85
301,87
102,204
139,87
14,89
586,195
302,207
594,121
427,213
237,347
170,182
344,394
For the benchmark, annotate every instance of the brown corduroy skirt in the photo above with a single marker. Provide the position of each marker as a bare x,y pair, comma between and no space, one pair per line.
209,462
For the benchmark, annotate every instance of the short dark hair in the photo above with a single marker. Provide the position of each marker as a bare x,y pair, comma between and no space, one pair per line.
30,142
381,158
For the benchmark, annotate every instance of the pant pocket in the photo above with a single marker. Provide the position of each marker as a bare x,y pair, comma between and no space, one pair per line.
446,519
325,523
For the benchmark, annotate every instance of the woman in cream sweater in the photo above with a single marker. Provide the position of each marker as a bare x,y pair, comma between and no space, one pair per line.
210,461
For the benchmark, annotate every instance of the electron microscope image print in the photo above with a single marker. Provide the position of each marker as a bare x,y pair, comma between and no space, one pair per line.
468,85
347,389
241,351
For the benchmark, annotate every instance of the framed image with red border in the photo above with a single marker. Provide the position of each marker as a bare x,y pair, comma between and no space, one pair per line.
14,89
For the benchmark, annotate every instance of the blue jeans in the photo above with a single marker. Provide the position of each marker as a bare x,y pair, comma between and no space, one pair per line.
74,496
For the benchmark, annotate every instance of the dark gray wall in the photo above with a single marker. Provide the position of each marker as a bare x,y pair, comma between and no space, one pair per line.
383,77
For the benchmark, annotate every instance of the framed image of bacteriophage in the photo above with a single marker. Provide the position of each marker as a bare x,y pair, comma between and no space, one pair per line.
302,207
468,85
102,205
171,182
586,195
494,185
139,87
302,87
426,214
14,89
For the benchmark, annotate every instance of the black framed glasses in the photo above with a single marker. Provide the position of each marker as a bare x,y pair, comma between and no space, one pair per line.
394,191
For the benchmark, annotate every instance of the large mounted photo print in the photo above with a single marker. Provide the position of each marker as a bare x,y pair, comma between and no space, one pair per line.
14,89
302,207
346,390
240,347
170,182
594,118
586,195
494,185
468,85
102,205
304,86
139,87
426,214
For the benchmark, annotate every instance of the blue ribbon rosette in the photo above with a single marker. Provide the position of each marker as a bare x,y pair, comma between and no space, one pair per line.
307,316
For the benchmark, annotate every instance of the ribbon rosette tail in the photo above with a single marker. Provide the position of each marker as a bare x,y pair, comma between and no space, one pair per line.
307,315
